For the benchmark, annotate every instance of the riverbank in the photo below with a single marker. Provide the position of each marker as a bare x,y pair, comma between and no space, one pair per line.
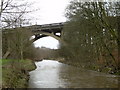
15,73
108,70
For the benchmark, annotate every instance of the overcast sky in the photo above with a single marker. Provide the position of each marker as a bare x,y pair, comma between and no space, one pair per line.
50,11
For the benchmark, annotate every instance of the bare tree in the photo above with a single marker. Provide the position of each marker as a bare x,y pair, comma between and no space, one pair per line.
12,15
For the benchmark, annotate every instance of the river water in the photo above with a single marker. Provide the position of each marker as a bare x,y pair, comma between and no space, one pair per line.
53,74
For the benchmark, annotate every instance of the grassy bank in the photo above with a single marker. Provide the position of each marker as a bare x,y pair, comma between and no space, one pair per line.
15,73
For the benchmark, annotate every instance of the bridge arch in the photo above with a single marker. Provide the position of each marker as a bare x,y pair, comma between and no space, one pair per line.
45,34
48,30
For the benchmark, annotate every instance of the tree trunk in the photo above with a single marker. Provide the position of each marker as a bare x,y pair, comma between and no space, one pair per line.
6,54
21,55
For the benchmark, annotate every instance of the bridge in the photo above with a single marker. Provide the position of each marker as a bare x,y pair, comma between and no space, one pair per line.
39,31
54,30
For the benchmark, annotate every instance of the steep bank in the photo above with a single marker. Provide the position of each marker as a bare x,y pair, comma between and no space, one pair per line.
15,73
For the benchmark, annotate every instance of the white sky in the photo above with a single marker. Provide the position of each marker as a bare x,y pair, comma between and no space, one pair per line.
51,11
48,42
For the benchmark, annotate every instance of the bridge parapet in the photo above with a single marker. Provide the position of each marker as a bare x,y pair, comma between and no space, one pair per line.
52,26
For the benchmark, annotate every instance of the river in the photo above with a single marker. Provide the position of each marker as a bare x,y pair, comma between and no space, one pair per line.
53,74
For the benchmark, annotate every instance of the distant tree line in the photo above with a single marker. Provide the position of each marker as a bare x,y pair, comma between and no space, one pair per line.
92,35
45,53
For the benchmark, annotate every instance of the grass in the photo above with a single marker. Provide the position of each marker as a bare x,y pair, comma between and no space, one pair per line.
15,73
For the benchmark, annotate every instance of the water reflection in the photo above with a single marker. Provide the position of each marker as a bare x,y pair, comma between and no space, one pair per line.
52,74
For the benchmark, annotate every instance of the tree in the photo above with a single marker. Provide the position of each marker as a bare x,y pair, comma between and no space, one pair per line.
13,16
13,13
91,30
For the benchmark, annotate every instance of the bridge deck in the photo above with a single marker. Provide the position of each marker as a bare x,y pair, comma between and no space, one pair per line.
54,27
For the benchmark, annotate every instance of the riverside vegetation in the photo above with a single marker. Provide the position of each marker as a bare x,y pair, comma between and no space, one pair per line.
92,36
15,73
17,49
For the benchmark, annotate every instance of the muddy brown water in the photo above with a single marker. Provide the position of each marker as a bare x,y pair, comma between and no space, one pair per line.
53,74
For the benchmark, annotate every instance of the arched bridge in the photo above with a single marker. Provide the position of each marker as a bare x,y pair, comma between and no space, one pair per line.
54,30
39,31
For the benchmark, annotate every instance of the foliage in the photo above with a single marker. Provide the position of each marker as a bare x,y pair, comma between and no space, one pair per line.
17,42
91,34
